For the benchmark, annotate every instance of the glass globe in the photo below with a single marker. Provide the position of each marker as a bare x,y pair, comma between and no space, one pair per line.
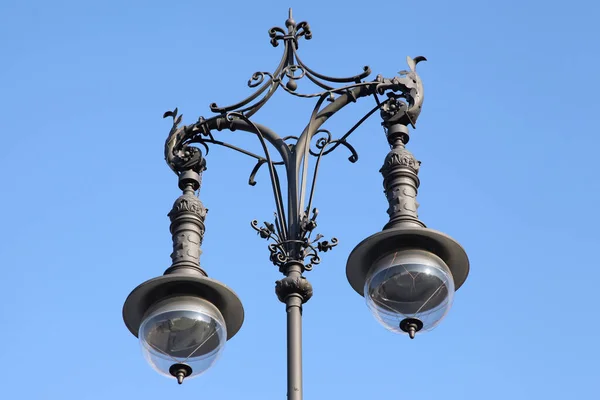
409,291
182,336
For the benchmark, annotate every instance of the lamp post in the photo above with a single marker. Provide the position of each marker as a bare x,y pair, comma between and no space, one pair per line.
407,272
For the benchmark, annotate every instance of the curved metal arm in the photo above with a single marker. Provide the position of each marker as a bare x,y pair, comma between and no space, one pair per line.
232,116
405,98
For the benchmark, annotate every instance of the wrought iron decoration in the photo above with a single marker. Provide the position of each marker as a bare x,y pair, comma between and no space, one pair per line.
404,244
400,103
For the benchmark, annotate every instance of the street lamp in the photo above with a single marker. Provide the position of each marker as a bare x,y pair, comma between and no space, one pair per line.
407,273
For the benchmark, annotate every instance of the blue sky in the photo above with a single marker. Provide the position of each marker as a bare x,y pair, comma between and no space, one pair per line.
508,142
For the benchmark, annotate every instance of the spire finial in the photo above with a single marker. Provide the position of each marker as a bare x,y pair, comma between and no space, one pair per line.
290,23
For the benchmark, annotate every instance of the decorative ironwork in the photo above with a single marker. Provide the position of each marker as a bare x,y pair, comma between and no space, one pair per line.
292,248
291,228
408,86
178,154
282,250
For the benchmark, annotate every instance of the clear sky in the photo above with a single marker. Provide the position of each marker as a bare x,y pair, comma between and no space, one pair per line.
509,148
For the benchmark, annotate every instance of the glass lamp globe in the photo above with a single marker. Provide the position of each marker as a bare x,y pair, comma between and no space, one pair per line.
409,291
182,336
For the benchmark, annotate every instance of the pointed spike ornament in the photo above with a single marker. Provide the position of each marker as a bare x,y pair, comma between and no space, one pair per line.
411,326
290,23
412,330
180,372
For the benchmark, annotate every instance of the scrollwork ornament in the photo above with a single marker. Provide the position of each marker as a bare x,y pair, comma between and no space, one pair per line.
279,256
292,230
283,251
258,78
266,232
294,31
406,89
325,246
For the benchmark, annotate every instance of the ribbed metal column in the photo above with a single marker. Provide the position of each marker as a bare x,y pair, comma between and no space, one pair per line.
187,226
400,180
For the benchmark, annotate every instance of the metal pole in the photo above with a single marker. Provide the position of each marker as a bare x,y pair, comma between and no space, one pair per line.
294,347
294,290
293,308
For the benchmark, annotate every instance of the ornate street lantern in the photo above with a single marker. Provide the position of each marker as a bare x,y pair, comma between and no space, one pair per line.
407,272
